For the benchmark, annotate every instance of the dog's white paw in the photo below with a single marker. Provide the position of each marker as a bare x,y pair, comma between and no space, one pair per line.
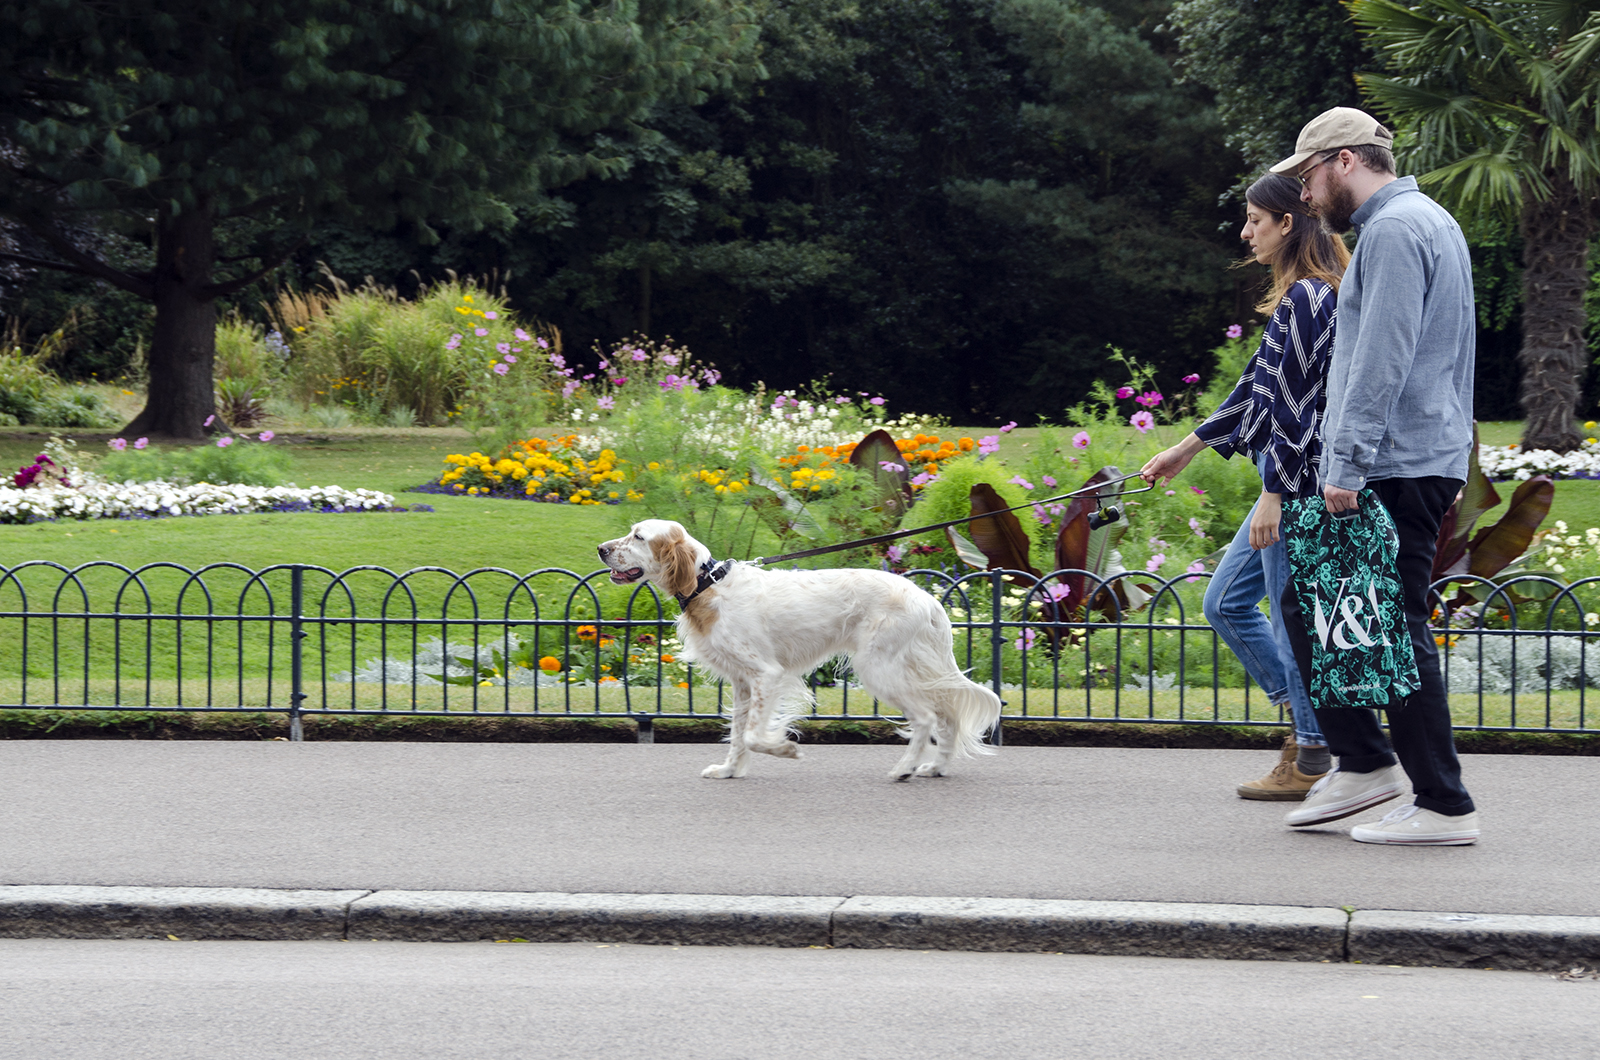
720,771
786,749
930,769
901,773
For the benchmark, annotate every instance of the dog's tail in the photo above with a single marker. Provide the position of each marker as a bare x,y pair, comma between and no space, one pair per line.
973,711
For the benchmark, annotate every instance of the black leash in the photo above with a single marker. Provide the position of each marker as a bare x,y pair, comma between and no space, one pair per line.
879,539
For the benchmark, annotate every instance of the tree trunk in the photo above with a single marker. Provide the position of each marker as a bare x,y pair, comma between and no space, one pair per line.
181,397
1554,358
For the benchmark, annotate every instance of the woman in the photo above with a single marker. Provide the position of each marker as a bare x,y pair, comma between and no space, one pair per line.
1274,414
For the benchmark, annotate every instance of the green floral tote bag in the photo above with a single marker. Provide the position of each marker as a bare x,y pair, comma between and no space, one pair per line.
1345,581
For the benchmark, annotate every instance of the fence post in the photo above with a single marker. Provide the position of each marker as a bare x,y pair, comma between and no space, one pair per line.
297,634
997,639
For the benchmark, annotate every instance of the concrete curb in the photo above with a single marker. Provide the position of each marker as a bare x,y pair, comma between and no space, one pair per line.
1152,929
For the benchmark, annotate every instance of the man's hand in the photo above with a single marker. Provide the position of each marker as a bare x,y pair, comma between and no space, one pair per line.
1339,500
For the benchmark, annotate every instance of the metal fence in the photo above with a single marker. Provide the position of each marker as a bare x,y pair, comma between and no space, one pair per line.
302,640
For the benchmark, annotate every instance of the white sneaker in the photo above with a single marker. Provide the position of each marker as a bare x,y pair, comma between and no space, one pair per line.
1340,794
1415,827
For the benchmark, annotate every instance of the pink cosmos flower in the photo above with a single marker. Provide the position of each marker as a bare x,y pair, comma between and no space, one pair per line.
1008,428
141,443
1191,378
209,420
118,444
875,401
1048,481
1080,440
491,316
1194,524
1124,392
1149,399
891,466
1198,490
1154,563
267,436
895,553
454,343
1194,569
640,355
223,443
989,443
522,336
606,403
669,359
543,344
923,479
1018,480
1142,421
502,347
841,400
1234,331
501,369
1025,641
480,332
511,358
570,388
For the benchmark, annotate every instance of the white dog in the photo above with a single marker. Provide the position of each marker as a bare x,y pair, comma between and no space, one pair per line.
763,630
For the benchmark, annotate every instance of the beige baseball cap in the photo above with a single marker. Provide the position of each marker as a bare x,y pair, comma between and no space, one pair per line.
1339,127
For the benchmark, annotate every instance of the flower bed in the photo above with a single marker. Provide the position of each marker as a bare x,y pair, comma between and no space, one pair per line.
1513,462
153,500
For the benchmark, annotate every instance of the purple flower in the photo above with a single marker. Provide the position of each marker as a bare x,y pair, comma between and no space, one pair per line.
118,444
141,443
1025,641
491,316
209,420
1198,490
1040,514
522,336
891,466
543,344
620,380
1154,563
1193,569
1191,378
1124,392
1149,399
480,332
841,401
1234,331
502,347
267,436
923,479
1143,421
1049,481
1020,481
454,343
511,358
989,443
1080,440
606,403
669,359
895,553
1008,428
558,361
875,401
1059,592
604,365
1194,524
224,442
570,388
640,355
501,369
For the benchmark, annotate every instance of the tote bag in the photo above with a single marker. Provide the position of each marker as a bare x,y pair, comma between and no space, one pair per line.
1342,573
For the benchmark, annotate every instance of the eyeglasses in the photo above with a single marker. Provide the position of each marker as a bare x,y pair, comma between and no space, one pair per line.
1304,177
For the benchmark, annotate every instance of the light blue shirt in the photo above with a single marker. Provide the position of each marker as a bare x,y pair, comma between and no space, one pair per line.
1400,381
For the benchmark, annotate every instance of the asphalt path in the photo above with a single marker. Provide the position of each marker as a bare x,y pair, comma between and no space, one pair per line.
137,1000
1070,823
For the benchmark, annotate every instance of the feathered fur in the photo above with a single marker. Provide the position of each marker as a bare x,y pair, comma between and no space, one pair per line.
764,630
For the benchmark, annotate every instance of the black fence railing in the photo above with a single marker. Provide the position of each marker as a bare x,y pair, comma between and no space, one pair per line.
303,640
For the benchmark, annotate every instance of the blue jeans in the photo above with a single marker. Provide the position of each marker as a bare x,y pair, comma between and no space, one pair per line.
1242,580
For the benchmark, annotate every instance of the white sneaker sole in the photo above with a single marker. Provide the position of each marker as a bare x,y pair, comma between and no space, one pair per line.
1337,811
1393,839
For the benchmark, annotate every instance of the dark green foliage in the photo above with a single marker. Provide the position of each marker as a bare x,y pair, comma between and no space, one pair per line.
957,204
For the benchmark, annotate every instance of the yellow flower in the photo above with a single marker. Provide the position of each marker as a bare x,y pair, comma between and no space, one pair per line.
466,298
1589,426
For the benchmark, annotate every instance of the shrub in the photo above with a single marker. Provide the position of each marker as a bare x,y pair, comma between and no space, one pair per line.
228,461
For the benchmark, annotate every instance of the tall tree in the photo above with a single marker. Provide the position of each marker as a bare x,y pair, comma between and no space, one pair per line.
176,118
1495,103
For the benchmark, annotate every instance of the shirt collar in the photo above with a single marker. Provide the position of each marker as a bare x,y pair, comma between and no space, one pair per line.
1376,200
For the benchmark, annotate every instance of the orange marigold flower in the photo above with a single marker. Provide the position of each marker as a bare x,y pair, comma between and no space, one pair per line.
550,664
587,632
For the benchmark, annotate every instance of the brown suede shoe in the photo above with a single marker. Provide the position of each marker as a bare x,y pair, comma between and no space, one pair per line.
1284,784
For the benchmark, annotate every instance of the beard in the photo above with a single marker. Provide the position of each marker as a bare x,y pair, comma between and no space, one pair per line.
1338,205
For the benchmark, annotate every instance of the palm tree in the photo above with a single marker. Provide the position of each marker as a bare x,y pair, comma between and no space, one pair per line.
1496,104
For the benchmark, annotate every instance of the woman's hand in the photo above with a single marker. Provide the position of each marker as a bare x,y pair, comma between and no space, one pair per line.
1166,464
1264,521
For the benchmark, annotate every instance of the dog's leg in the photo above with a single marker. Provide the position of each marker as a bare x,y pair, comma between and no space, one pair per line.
944,739
738,760
920,720
764,728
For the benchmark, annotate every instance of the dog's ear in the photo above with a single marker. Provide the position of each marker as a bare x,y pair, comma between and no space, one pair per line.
676,559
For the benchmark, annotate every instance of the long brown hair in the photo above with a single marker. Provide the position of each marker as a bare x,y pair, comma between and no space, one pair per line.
1310,250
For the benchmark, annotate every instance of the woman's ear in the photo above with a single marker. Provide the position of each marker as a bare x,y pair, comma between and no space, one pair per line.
680,572
1288,223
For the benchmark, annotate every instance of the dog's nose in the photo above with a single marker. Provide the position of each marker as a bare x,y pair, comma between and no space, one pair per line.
603,550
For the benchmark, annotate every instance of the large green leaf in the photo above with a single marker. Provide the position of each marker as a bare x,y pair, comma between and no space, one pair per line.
880,457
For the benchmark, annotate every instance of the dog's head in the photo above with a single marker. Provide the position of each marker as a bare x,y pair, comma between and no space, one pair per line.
658,551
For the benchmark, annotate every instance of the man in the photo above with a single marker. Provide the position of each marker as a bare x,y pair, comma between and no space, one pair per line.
1398,423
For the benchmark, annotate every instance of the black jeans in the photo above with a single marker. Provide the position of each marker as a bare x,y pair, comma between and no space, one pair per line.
1419,728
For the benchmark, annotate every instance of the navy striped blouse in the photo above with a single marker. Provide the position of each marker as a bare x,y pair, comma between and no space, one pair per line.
1277,405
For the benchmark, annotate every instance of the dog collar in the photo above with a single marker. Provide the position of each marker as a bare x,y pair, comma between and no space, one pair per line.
711,572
